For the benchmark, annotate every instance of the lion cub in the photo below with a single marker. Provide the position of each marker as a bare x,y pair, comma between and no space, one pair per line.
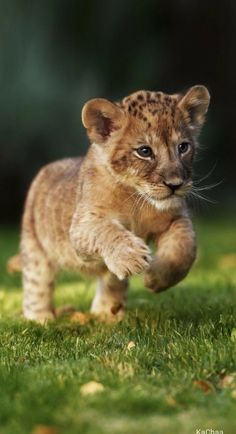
96,214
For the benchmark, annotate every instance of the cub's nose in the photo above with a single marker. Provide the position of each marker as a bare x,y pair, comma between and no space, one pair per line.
175,185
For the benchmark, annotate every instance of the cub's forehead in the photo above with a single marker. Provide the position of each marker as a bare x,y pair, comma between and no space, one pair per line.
148,106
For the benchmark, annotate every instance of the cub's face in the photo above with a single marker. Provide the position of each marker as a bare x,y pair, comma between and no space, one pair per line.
149,139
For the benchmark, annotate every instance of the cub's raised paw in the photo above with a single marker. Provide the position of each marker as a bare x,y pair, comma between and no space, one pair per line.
155,284
129,259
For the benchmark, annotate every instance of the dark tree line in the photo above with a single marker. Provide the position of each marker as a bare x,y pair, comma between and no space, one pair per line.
56,54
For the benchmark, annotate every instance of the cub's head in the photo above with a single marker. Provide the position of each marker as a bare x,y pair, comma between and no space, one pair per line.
148,140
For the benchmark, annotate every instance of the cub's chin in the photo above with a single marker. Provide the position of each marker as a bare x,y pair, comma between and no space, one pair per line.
168,203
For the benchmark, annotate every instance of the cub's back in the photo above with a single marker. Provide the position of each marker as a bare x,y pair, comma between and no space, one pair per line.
50,205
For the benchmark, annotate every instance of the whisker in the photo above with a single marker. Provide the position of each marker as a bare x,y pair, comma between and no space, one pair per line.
142,203
131,195
136,203
145,201
207,187
207,175
201,197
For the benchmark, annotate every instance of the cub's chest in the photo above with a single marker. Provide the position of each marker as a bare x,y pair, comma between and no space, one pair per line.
146,225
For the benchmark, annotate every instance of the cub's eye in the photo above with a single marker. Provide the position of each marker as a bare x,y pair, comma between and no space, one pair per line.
183,147
144,151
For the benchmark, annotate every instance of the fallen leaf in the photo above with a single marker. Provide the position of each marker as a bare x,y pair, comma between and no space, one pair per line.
91,388
14,264
44,429
228,381
227,261
204,385
80,318
130,345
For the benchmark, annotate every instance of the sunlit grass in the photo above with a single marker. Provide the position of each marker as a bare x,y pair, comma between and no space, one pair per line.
182,336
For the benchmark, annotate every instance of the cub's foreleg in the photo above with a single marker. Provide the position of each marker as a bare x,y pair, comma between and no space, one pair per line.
176,251
38,276
95,235
110,299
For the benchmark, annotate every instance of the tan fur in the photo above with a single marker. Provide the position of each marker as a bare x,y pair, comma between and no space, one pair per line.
14,264
96,214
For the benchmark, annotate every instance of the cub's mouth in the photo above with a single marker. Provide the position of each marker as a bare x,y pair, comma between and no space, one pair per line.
169,199
172,191
169,195
164,197
168,202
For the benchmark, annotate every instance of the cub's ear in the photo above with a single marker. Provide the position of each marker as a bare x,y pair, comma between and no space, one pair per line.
102,119
195,105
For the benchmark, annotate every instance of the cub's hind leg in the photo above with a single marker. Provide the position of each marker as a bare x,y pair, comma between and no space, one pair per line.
38,281
110,298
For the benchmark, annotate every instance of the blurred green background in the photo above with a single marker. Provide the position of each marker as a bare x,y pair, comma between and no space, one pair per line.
56,54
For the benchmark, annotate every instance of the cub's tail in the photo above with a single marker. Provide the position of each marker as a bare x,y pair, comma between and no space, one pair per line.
14,264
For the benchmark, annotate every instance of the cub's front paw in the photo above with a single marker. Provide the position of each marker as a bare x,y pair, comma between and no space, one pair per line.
129,259
41,318
108,311
154,282
162,276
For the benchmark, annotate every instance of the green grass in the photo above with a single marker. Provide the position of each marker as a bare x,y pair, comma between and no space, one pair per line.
181,336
